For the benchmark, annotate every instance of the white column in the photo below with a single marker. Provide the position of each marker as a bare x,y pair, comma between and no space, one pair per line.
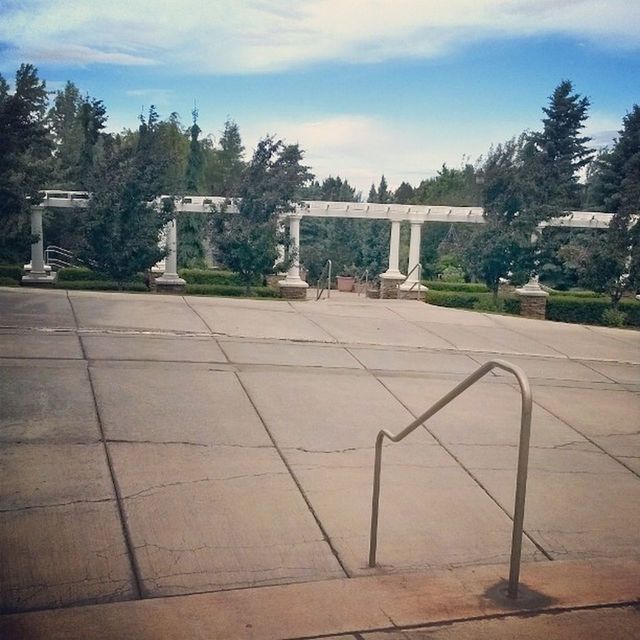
394,251
281,250
293,275
37,273
414,255
170,276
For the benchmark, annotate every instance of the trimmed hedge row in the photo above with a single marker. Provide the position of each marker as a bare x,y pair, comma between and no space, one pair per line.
577,294
211,277
462,300
230,290
83,274
466,287
589,310
12,271
8,282
100,285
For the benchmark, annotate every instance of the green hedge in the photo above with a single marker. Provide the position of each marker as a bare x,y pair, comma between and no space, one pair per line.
463,287
230,290
461,300
79,274
589,310
100,285
577,294
210,277
12,271
8,282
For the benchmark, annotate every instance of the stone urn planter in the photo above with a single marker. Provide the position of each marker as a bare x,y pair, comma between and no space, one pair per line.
345,283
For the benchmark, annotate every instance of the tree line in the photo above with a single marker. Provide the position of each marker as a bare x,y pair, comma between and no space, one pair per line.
59,140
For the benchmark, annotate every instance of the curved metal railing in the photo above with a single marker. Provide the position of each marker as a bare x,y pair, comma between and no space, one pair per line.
523,461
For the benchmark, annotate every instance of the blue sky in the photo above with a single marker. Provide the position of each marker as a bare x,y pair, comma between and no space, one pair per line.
365,86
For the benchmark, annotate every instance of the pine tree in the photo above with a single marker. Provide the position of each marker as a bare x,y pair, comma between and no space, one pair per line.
192,227
25,148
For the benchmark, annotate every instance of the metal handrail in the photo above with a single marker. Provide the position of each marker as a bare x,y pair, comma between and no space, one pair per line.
365,277
523,461
320,291
418,266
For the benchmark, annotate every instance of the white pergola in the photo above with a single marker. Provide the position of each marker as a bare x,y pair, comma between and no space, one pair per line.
416,215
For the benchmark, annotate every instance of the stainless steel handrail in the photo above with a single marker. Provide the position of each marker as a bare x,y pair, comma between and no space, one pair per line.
523,461
418,266
320,291
364,277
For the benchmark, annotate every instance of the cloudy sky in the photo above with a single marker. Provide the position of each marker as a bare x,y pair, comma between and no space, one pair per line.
365,86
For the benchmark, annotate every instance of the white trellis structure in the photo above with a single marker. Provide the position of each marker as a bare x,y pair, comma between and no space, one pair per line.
416,215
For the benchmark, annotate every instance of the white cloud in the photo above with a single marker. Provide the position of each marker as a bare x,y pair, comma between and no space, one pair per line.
361,148
253,36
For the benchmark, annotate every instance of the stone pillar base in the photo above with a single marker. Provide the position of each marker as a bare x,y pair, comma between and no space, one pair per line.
170,285
412,294
39,279
533,300
293,290
389,284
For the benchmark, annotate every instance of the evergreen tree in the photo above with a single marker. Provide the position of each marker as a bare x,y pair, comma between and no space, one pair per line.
192,227
561,149
403,194
453,187
248,241
611,263
375,246
373,194
231,152
25,149
123,225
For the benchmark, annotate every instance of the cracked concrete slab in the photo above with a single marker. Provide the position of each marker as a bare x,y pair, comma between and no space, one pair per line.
622,373
50,403
290,354
414,360
381,331
40,345
488,338
485,414
617,623
152,348
579,501
320,410
21,308
549,369
134,311
577,341
213,518
158,404
432,514
42,475
278,323
61,556
433,314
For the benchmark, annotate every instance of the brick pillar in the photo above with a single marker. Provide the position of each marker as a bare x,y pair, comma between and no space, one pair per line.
533,300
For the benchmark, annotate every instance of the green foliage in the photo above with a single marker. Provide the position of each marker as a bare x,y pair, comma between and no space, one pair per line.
247,242
452,274
230,290
11,271
613,318
24,159
79,274
100,285
589,310
123,227
211,276
454,187
465,287
8,282
489,304
404,194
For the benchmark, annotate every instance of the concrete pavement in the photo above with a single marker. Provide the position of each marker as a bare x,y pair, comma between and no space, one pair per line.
163,445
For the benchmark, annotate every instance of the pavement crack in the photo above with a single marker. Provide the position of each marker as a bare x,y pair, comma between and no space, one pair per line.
56,504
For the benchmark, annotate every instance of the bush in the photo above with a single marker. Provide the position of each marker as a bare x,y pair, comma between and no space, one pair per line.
100,285
589,310
614,318
230,290
11,271
78,274
467,287
577,294
488,304
210,277
8,282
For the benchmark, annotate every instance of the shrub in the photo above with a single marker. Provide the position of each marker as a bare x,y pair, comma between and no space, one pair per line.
100,285
11,271
229,290
489,304
577,294
467,287
614,318
589,310
453,274
211,277
78,274
8,282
